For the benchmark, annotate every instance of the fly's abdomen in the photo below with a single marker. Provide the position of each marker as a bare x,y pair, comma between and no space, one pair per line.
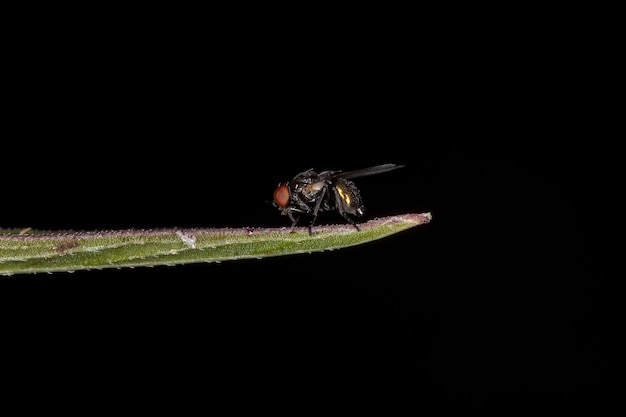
348,197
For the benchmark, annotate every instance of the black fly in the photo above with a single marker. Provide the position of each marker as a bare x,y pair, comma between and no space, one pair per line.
311,193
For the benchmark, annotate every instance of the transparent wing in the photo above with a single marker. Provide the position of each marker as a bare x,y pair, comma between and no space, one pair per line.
377,169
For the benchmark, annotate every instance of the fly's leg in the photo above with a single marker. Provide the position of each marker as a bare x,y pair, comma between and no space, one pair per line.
289,211
318,204
294,219
349,220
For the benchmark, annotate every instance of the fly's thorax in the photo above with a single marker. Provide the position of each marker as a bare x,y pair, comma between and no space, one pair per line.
312,190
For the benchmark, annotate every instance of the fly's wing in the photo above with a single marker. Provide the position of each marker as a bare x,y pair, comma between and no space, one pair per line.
377,169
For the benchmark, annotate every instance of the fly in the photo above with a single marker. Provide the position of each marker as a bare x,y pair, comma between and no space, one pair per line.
311,193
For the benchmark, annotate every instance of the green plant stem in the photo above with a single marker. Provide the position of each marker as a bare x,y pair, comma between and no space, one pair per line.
32,251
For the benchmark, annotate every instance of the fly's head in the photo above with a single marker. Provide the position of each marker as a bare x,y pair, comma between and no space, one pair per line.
282,196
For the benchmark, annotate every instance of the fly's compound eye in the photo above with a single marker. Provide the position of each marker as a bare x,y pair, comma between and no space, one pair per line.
281,196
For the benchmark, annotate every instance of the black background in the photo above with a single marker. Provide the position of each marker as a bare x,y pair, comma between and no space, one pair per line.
510,296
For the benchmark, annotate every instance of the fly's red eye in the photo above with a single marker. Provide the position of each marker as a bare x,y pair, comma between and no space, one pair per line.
281,196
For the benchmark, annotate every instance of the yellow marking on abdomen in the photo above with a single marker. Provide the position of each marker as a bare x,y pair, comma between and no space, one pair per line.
345,197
